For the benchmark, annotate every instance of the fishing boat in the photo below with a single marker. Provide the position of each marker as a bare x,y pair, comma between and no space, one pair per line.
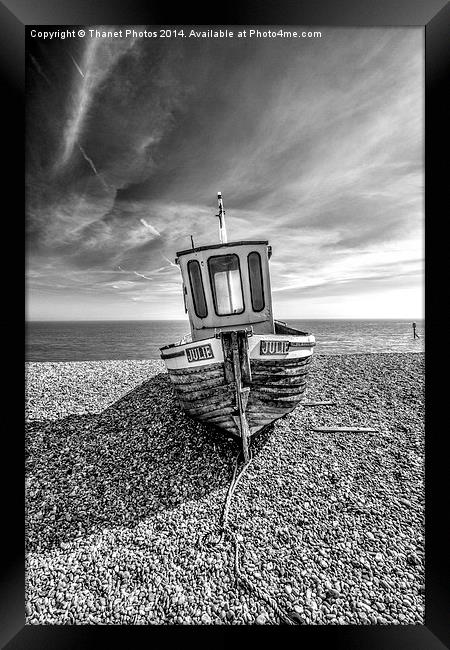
238,369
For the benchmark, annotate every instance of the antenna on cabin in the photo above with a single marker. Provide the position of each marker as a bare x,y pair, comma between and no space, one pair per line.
221,215
192,241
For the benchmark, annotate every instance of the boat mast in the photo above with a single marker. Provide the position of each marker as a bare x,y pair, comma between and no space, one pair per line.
223,240
221,215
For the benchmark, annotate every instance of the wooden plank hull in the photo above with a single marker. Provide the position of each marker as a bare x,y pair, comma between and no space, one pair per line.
273,393
277,384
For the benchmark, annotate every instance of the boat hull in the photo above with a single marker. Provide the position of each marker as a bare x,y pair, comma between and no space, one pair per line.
273,374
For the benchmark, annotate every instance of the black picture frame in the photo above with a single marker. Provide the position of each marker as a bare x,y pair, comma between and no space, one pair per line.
434,17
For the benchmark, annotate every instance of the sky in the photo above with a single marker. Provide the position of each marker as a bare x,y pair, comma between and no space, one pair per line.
317,145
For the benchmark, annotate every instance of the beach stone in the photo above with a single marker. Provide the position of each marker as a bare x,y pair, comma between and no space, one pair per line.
261,619
134,450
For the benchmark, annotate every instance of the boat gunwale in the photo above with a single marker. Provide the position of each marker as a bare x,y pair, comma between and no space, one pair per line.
293,332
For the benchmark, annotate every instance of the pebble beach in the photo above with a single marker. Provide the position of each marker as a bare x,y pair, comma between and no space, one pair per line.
123,489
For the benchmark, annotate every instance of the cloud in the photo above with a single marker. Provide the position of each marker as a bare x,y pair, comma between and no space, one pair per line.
99,58
92,166
77,66
150,227
315,145
39,69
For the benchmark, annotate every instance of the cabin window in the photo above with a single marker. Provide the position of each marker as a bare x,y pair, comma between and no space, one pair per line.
226,284
256,281
197,289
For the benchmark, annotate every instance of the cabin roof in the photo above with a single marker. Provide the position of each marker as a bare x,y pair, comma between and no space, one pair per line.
212,246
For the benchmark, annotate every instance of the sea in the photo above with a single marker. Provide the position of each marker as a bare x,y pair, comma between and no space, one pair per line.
99,340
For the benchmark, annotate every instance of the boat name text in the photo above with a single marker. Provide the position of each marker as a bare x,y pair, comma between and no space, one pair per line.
199,353
274,347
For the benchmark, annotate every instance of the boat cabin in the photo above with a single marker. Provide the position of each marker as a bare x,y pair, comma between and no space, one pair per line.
227,286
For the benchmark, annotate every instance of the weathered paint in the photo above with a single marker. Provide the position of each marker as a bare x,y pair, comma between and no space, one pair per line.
261,321
276,388
255,344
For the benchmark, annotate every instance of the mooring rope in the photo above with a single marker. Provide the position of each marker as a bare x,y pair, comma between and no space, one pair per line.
225,531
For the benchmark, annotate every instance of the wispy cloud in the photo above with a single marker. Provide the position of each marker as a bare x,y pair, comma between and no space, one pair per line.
99,58
316,146
150,227
77,66
39,70
92,166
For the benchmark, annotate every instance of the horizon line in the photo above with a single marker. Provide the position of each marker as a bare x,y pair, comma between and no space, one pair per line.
183,320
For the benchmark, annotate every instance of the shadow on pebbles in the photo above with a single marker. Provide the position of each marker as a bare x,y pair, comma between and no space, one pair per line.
122,488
